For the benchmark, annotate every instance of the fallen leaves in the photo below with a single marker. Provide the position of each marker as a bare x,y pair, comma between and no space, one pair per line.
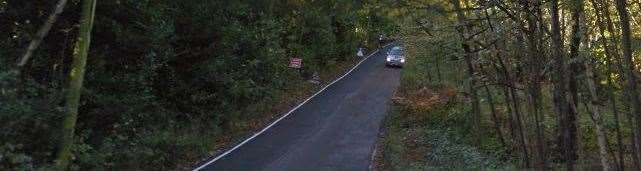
424,98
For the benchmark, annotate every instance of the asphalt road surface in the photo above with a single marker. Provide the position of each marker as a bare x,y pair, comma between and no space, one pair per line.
335,130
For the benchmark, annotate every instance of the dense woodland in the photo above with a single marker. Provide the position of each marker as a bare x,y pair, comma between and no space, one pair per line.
543,84
166,81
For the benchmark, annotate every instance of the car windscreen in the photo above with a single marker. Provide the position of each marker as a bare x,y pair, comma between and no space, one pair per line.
396,52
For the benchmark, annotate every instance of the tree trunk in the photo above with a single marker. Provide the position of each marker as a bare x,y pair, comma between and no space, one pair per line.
515,115
610,57
76,77
576,11
438,69
519,126
42,32
595,110
534,35
506,96
495,118
504,81
497,125
634,141
561,103
632,91
463,30
428,72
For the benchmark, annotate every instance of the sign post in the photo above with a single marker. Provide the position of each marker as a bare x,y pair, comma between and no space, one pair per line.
296,63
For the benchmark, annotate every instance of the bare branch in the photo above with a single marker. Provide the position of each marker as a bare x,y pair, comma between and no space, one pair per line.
42,33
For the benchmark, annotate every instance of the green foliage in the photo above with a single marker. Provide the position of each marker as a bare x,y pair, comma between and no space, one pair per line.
165,79
448,154
439,133
442,140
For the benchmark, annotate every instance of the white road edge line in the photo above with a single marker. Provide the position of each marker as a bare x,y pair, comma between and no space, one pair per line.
288,113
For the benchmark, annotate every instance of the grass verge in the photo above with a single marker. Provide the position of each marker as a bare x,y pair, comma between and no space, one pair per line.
424,131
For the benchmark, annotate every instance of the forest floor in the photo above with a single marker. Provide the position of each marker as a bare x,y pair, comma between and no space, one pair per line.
412,138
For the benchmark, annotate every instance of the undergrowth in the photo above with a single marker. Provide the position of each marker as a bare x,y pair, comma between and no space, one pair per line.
429,126
437,137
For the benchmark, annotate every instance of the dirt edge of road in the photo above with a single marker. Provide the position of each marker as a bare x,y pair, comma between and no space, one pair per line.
378,161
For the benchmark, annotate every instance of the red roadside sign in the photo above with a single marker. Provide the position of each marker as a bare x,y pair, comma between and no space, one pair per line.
295,63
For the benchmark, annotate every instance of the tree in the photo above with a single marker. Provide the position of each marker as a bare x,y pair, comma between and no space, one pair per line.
565,114
595,109
42,32
464,28
76,77
631,86
611,58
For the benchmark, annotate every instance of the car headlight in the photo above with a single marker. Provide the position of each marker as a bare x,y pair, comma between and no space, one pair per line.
388,59
402,60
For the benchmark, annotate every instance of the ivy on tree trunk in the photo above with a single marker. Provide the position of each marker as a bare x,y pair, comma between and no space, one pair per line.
76,77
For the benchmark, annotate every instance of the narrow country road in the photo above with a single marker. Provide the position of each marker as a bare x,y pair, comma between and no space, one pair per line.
336,130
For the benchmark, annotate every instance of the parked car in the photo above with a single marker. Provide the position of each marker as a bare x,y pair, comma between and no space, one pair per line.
395,57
